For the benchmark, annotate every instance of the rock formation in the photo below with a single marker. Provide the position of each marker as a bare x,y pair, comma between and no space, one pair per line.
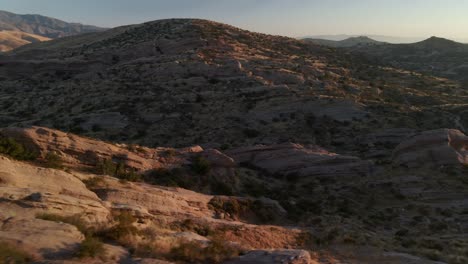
433,148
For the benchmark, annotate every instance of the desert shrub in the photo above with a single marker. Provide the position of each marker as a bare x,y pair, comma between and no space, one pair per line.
91,247
123,229
12,148
118,170
106,167
256,189
170,178
52,160
202,229
251,133
216,251
12,255
243,208
93,182
201,165
221,188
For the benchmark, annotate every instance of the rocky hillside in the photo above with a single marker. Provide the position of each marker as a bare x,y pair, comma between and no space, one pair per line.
434,56
184,82
80,200
12,39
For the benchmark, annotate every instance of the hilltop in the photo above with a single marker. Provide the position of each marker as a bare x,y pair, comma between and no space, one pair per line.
346,43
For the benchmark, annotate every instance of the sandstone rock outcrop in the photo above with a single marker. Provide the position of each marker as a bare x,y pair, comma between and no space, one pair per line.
304,161
79,150
30,190
147,201
41,239
433,148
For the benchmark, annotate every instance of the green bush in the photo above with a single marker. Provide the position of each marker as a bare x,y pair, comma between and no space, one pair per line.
215,252
203,229
170,178
12,148
124,227
12,255
91,247
54,161
201,165
118,170
94,182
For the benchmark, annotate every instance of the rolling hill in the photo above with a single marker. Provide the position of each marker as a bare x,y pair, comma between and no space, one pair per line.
12,39
434,56
346,43
17,30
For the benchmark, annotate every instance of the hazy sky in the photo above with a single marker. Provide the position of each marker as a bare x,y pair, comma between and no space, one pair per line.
403,18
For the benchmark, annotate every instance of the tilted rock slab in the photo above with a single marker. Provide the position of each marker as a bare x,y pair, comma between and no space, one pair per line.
433,148
81,151
40,238
304,161
39,190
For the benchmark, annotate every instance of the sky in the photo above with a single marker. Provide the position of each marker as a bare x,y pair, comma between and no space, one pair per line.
294,18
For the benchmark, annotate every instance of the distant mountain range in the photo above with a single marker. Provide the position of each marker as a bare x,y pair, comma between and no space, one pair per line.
380,38
346,43
17,30
435,56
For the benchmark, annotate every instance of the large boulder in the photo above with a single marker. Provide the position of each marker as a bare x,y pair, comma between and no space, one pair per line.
304,161
436,147
41,239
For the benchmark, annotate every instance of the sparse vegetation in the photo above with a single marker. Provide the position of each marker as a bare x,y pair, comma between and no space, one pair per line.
216,251
118,170
12,148
91,247
10,254
201,165
53,160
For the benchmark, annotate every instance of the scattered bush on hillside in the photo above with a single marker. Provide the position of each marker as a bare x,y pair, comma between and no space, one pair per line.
242,208
54,161
12,148
171,178
91,247
216,251
203,229
123,230
11,254
201,165
251,133
118,170
94,182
